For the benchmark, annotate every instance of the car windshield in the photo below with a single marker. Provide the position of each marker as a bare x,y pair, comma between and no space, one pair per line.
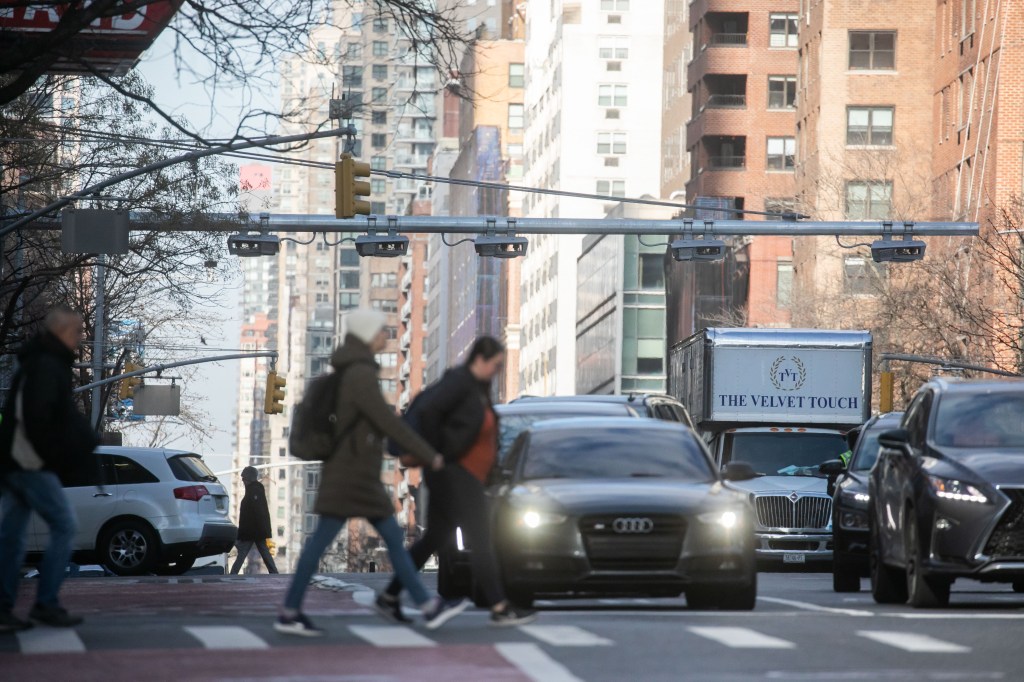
784,454
513,425
191,468
867,449
993,420
616,453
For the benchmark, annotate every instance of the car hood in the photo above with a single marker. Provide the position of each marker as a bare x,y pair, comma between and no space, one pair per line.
782,484
998,467
623,495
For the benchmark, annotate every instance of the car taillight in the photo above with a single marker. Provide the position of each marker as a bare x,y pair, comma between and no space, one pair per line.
191,492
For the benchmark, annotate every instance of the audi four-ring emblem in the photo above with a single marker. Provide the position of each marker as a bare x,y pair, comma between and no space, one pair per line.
632,525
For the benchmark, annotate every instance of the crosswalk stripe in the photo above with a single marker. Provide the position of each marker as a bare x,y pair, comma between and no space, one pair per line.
741,638
50,641
565,635
531,660
225,637
390,636
914,642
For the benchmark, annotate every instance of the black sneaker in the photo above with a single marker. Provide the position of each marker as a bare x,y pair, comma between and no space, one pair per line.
390,608
54,616
297,625
510,615
442,611
11,623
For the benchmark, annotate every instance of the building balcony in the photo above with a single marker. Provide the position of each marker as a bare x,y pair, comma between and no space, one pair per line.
406,340
411,160
405,370
727,162
728,40
726,102
407,311
406,281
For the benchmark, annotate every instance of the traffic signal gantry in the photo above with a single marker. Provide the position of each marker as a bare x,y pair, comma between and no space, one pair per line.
275,394
348,188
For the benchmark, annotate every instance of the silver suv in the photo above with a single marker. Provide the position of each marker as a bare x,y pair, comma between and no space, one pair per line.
146,510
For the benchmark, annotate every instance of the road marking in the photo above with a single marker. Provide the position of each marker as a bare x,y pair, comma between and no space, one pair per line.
225,637
531,660
914,642
50,641
741,638
390,636
564,635
958,616
807,606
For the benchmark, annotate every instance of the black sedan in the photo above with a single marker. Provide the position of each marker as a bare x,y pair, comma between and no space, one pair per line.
947,493
850,506
623,506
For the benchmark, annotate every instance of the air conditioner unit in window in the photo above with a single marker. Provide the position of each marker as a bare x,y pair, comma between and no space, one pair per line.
611,113
614,19
613,66
611,161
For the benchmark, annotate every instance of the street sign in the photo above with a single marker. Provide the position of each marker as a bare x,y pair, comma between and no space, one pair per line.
94,230
158,400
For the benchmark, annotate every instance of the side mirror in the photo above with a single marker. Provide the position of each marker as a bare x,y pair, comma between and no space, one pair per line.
738,471
897,439
832,467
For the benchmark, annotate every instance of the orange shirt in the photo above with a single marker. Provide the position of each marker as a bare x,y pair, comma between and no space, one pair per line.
480,458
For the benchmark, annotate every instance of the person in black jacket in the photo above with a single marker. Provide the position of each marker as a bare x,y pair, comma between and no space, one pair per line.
456,417
44,439
253,522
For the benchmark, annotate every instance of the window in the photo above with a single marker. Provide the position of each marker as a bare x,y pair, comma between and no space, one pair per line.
611,143
384,279
868,199
380,72
781,153
611,188
614,5
860,275
872,50
378,94
377,208
378,186
783,283
387,360
652,271
355,50
385,305
782,30
348,279
352,76
388,385
380,48
380,25
781,92
348,301
379,140
611,95
613,47
378,163
392,332
380,117
515,116
130,472
516,75
869,125
348,258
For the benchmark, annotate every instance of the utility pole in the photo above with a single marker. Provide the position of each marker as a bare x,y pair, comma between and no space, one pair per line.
98,339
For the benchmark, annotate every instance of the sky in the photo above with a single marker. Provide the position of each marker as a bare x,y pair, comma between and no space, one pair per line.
214,115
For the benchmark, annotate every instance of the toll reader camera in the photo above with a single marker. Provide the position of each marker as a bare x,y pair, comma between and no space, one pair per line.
698,249
248,245
500,247
384,246
897,250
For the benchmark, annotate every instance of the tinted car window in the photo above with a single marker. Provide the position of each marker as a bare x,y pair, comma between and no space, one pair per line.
980,421
867,449
616,453
786,454
513,425
101,474
190,468
128,471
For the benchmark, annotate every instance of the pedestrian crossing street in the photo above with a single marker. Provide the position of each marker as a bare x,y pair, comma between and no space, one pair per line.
43,640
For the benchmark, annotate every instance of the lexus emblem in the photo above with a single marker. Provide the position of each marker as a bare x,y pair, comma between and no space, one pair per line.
633,525
793,497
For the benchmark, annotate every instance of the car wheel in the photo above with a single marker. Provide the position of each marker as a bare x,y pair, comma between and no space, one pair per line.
1018,585
923,592
887,584
179,567
129,548
844,579
741,597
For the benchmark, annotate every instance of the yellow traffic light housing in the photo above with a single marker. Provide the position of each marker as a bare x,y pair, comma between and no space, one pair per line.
347,189
128,384
275,394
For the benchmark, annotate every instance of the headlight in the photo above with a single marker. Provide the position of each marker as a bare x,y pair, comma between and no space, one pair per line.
853,520
726,519
950,489
460,544
858,497
532,518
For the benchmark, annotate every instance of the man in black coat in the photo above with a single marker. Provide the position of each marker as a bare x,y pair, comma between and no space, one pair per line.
253,522
44,439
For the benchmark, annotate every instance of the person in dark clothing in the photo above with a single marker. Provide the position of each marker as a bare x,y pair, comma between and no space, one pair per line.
458,419
253,522
44,439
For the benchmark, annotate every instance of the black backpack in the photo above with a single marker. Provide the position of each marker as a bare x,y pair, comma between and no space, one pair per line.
312,436
411,417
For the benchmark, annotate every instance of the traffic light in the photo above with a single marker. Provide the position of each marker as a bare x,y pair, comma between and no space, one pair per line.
275,394
128,384
347,188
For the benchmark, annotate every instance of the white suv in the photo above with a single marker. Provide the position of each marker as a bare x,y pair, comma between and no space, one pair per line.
157,511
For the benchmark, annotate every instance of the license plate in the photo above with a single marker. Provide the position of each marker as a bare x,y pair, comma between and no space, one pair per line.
794,558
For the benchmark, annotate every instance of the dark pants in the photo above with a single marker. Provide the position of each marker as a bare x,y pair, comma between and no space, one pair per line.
245,546
457,499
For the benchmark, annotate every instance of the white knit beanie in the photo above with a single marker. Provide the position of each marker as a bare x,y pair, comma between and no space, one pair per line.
364,324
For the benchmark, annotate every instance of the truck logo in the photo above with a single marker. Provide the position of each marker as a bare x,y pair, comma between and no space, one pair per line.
788,374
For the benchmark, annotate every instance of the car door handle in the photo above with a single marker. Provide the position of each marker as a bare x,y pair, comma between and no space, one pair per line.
103,495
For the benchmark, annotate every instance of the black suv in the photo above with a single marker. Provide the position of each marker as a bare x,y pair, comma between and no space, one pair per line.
651,405
947,493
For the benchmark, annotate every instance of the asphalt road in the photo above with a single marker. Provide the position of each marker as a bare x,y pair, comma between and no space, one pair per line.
200,628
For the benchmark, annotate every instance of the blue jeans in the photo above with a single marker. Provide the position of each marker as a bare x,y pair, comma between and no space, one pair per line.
21,493
326,530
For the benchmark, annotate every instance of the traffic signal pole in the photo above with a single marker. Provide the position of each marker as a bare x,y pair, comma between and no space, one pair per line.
272,354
